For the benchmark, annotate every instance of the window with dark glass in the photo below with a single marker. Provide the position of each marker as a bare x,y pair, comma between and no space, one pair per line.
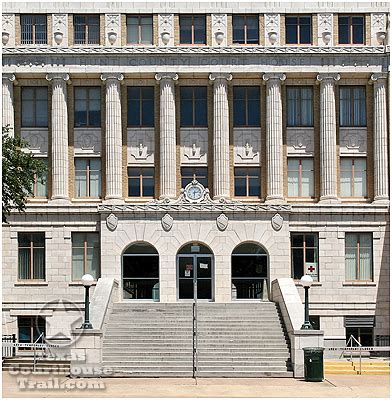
304,255
31,256
141,182
315,321
352,105
245,29
139,29
87,177
298,29
34,106
359,256
188,174
247,181
85,255
299,105
86,29
193,107
140,106
246,105
34,29
87,106
362,329
31,329
192,29
351,29
40,184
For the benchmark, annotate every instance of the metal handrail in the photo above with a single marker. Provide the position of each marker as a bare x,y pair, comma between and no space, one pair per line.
350,341
35,348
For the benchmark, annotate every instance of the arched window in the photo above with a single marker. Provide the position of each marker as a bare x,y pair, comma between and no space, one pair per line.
141,272
249,271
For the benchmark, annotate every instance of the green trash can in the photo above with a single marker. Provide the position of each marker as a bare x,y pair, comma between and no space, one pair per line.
314,364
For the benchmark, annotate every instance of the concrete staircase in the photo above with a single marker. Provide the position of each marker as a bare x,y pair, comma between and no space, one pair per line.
43,365
156,340
347,367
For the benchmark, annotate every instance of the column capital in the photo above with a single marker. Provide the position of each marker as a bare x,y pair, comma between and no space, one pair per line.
10,77
326,76
274,76
216,76
58,76
106,76
378,76
161,76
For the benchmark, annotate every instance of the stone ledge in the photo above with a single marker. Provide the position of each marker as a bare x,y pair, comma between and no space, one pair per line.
362,284
31,284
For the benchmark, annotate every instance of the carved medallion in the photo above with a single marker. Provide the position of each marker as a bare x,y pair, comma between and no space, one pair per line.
222,222
277,222
111,222
167,222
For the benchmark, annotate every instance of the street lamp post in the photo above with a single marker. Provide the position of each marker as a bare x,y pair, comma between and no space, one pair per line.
306,282
87,281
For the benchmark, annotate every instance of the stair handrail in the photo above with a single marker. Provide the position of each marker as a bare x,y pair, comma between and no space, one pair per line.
349,344
42,335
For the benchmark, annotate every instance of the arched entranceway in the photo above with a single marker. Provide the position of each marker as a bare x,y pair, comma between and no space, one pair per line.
195,272
140,272
249,271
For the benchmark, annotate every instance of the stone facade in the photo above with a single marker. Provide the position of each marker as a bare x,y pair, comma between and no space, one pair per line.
168,223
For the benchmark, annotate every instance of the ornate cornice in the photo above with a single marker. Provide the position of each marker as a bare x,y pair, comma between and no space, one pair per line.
328,77
112,76
161,76
58,76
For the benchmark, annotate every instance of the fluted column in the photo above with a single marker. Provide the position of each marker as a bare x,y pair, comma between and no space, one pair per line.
328,155
221,135
167,126
8,102
274,142
380,135
59,135
113,135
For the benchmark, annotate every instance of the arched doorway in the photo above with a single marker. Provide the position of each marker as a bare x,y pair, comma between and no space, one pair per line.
249,271
195,272
140,272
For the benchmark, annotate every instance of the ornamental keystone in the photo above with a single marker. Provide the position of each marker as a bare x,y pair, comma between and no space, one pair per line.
222,222
112,222
167,222
277,222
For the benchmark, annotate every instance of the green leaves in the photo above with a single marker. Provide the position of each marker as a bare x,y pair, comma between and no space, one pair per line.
19,171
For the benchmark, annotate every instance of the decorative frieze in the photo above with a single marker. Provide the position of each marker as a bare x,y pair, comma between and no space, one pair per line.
141,146
60,30
300,141
247,146
272,29
87,141
378,29
353,141
37,139
8,33
113,29
165,29
194,146
325,29
219,29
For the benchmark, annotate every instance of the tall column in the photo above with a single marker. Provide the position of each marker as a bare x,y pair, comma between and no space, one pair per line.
221,135
113,136
380,135
59,135
167,126
328,155
8,102
274,142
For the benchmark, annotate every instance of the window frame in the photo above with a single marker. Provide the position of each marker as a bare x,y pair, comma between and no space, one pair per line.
300,176
194,174
352,177
88,99
142,177
192,16
34,18
247,181
86,29
139,29
35,101
46,177
298,25
351,89
194,106
357,257
304,248
140,100
245,28
246,102
32,326
350,29
31,248
88,181
302,89
85,252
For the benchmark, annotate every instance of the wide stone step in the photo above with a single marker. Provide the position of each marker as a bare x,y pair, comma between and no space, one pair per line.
244,374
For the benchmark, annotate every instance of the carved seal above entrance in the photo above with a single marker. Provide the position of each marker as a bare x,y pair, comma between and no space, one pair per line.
277,222
167,222
111,222
222,222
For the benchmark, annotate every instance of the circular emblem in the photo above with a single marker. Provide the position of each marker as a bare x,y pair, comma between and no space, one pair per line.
194,191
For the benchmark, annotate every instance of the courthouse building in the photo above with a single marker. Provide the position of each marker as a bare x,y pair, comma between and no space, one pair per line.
200,150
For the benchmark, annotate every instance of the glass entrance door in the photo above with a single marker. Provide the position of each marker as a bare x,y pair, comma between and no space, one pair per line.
195,277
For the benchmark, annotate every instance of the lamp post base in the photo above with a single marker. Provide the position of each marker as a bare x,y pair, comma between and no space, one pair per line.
86,325
306,325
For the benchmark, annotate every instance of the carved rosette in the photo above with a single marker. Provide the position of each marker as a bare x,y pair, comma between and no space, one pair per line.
167,222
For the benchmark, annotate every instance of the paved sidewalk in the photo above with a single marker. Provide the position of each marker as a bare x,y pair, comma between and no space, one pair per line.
334,386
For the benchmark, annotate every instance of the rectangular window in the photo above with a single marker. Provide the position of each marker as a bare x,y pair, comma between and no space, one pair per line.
353,177
34,29
247,182
245,29
40,185
85,255
298,30
86,29
30,330
300,177
299,105
141,182
359,257
192,29
193,105
34,107
352,105
141,106
351,29
188,174
246,105
31,256
304,255
87,106
87,177
139,29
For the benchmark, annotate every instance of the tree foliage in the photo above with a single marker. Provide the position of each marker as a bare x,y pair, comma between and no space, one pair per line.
19,168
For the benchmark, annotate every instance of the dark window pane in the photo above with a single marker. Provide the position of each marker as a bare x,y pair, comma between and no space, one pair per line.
305,33
298,263
358,34
200,30
297,240
240,186
254,186
185,30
